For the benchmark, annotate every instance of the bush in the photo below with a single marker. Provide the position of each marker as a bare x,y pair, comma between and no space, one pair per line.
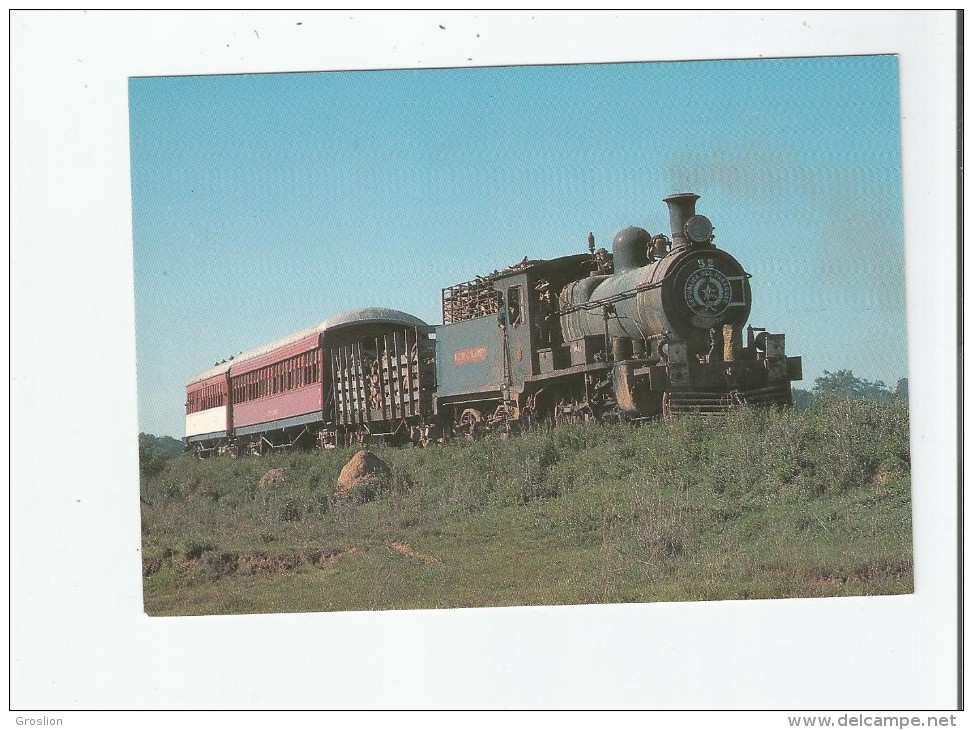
151,463
291,509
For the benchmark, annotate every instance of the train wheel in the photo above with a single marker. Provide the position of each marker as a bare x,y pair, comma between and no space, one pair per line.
502,422
666,405
469,422
609,413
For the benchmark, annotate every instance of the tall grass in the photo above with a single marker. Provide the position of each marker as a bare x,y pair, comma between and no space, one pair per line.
756,504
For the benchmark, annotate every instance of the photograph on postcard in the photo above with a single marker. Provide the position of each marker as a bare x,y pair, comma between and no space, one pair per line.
522,335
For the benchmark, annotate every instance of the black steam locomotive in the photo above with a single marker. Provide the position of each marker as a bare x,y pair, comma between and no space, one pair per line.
656,326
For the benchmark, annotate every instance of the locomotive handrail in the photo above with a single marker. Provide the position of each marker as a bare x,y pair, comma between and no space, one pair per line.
620,296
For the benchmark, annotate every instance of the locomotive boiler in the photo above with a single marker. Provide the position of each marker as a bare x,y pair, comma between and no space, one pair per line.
657,326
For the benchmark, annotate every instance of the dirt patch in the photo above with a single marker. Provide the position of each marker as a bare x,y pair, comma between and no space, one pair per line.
883,477
217,565
877,569
869,572
404,548
195,488
151,566
827,586
204,492
332,557
256,563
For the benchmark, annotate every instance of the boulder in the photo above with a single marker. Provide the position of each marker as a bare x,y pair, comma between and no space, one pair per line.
364,476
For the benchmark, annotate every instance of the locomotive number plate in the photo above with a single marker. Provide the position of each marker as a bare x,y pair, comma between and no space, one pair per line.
470,354
708,291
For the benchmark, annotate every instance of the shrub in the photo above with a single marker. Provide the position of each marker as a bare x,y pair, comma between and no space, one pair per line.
291,509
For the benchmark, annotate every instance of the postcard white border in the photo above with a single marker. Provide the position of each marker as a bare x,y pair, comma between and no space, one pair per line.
78,636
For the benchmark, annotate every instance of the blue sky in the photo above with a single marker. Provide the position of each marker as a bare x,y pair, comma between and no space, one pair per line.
266,203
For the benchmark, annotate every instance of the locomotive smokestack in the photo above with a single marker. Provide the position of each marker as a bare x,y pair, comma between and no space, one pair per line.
682,207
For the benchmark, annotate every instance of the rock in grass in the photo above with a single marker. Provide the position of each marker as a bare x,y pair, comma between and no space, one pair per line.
272,479
364,476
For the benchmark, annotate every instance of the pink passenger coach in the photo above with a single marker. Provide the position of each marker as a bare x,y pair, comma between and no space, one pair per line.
316,386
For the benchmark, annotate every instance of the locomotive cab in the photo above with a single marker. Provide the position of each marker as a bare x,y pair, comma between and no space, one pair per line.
500,331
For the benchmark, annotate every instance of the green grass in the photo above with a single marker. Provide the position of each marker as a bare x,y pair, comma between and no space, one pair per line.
759,504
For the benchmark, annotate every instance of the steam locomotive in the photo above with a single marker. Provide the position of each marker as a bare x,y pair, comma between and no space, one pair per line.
654,327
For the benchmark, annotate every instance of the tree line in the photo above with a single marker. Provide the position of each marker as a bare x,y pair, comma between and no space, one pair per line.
153,452
844,384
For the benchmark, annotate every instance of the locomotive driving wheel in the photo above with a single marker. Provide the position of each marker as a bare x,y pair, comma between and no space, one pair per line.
469,422
501,420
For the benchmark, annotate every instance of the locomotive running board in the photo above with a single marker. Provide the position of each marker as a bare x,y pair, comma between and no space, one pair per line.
709,403
573,370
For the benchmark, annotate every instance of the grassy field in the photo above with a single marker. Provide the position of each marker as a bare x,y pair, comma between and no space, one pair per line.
759,504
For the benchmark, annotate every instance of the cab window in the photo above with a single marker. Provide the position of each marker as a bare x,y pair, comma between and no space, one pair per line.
515,306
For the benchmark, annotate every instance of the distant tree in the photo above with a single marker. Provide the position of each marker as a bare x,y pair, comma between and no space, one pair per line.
802,398
165,445
902,389
154,451
844,384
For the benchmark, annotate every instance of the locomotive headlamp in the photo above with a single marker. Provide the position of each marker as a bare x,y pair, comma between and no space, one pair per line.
699,229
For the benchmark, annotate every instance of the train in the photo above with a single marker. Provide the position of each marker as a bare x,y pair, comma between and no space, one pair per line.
656,327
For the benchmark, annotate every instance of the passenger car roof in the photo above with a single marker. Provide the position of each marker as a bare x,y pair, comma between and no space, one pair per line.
363,315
